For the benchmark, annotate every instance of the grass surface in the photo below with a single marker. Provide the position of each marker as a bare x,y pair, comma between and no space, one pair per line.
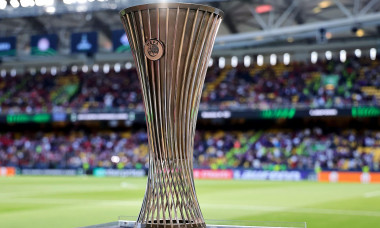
79,201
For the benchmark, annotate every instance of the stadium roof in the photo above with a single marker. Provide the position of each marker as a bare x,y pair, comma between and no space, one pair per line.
270,24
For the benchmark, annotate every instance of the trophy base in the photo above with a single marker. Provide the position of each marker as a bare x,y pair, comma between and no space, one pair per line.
171,224
236,224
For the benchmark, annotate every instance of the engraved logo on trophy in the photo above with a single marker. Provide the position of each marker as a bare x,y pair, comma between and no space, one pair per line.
154,49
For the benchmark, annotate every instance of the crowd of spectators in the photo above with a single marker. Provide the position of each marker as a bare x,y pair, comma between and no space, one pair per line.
109,92
324,84
301,149
305,149
34,95
320,85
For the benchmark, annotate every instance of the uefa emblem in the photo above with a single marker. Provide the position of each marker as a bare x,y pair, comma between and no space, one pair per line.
154,49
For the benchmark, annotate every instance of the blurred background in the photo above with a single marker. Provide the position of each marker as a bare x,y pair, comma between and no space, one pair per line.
291,105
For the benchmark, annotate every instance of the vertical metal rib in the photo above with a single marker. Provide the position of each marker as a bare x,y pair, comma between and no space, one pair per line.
171,87
177,127
183,126
173,135
168,183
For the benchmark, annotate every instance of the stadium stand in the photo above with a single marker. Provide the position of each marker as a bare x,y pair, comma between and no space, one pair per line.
321,85
273,149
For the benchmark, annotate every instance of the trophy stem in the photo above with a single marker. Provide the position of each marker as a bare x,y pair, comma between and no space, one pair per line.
171,44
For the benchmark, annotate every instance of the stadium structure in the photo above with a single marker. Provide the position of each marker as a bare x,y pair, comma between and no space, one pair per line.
305,66
292,91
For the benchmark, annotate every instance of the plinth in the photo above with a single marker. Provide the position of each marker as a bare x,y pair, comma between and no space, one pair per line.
128,222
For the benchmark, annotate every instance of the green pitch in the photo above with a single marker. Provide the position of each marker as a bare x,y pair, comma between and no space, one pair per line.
79,201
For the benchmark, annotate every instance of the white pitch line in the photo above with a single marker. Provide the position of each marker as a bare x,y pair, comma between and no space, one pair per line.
71,201
237,226
372,194
337,212
296,210
127,185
